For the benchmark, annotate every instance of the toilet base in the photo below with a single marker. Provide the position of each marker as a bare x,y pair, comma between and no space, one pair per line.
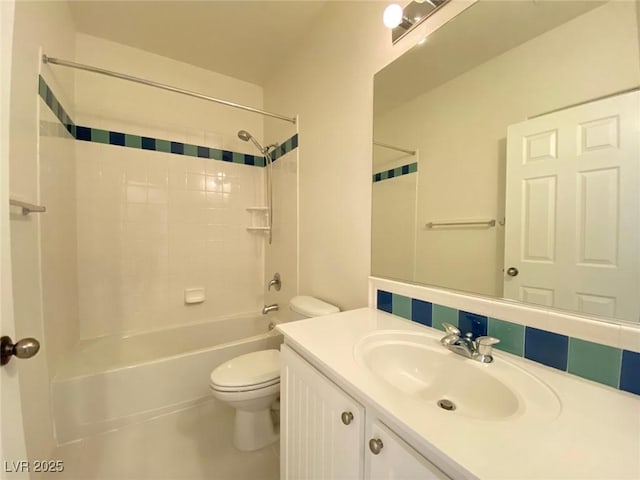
253,430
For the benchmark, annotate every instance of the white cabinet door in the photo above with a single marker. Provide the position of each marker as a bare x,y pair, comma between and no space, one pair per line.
315,442
395,459
573,215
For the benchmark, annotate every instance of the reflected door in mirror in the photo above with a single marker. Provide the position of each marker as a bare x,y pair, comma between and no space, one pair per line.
573,209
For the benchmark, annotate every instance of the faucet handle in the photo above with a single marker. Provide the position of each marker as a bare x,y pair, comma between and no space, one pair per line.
485,344
451,329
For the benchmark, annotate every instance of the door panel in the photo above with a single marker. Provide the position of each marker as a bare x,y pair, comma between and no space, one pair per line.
12,444
573,211
315,441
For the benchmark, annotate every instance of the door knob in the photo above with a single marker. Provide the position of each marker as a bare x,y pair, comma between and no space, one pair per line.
512,271
25,348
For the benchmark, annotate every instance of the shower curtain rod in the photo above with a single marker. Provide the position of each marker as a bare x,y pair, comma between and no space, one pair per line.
384,145
150,83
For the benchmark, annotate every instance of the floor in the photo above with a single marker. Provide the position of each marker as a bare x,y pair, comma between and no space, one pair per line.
189,444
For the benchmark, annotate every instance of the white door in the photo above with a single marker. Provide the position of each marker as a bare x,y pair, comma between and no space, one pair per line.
573,208
12,445
321,427
388,457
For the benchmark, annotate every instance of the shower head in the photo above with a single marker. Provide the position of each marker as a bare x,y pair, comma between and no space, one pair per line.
246,136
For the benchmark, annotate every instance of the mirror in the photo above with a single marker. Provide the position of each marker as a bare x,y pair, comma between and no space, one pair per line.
507,157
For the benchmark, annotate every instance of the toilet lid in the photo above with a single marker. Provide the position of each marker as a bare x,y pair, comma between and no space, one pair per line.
252,369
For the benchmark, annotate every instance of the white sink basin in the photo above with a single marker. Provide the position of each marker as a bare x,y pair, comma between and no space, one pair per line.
416,365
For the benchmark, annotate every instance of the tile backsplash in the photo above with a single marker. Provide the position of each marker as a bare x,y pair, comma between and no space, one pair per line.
604,364
156,216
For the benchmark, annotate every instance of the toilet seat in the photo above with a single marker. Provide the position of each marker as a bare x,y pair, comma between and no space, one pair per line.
244,388
252,371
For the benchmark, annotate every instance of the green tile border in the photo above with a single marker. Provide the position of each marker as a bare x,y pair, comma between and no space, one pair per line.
97,135
395,172
596,362
441,314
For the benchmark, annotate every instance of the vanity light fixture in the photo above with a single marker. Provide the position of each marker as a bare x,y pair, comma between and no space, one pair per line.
392,16
402,21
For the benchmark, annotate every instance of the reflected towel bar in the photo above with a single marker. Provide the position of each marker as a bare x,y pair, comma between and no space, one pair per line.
27,208
482,223
392,147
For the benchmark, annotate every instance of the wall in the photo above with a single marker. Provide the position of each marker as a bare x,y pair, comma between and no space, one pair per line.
46,24
56,154
460,129
152,223
282,254
328,81
393,209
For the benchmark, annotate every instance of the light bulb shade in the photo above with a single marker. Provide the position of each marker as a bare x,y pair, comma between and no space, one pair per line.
392,16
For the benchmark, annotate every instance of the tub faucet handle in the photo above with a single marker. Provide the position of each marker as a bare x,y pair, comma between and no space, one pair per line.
451,329
275,282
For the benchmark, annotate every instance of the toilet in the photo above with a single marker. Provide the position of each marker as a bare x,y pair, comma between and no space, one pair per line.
250,383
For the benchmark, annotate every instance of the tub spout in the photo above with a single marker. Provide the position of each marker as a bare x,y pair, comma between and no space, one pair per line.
270,308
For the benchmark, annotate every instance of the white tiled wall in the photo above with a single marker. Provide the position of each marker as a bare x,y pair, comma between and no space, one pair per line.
151,224
58,245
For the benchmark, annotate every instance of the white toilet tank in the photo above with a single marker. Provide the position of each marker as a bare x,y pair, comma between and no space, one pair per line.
307,307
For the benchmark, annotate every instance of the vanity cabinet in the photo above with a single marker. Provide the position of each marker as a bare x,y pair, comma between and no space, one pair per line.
327,434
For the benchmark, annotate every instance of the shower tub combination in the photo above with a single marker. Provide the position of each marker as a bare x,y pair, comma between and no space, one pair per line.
112,381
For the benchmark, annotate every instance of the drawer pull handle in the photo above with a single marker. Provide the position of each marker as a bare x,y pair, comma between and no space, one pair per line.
375,445
347,418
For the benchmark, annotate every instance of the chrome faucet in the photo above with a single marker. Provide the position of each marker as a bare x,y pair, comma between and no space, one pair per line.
270,308
478,349
275,282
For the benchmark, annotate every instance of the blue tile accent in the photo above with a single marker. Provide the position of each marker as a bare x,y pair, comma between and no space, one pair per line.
630,372
177,147
396,172
421,312
97,135
148,143
48,98
385,300
471,322
534,344
203,152
116,138
548,348
83,133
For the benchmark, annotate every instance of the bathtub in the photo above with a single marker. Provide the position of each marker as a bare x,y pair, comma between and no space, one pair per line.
109,382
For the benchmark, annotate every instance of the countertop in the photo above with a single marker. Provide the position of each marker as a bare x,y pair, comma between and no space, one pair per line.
595,435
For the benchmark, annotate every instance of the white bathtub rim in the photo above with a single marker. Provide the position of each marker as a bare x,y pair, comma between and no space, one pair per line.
253,338
132,333
136,419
